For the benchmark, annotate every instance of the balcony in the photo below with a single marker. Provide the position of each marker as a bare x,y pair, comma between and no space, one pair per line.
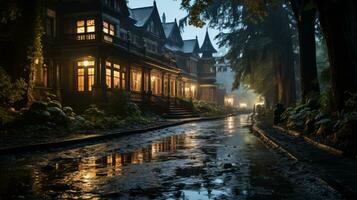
127,45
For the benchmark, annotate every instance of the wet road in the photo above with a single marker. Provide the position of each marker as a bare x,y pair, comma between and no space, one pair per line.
206,160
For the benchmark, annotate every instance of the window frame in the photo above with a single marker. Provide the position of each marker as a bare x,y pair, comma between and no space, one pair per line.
88,30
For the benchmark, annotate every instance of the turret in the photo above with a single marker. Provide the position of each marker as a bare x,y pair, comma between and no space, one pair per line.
207,48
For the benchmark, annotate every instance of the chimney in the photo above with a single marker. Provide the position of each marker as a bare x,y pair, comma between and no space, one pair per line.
163,18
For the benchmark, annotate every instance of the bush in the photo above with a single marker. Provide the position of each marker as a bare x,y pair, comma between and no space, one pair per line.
121,105
11,91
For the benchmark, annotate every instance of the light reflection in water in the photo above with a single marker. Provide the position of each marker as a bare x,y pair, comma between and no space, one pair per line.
230,125
114,164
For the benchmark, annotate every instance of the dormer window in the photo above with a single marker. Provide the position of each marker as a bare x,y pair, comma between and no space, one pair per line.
85,29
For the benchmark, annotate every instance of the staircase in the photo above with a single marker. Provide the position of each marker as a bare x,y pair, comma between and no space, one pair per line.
177,111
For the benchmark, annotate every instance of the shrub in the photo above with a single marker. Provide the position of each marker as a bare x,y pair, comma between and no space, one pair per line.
121,105
11,91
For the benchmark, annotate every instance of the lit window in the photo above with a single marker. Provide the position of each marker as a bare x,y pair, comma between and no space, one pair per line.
108,28
90,26
85,75
80,80
90,78
109,77
123,80
135,80
108,74
85,29
105,27
116,66
116,80
112,30
80,26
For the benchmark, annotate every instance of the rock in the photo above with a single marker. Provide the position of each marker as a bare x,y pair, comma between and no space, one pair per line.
68,111
56,104
38,105
58,116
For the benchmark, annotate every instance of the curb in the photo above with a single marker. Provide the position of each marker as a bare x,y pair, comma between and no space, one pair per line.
335,185
96,138
319,145
263,136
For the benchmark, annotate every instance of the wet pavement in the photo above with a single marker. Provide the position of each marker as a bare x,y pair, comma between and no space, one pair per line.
218,159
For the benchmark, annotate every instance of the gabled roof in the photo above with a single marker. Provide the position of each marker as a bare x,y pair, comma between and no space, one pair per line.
168,27
190,46
141,15
172,33
207,46
144,15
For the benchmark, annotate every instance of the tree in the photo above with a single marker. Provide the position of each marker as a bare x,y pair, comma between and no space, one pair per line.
305,15
22,53
339,25
256,47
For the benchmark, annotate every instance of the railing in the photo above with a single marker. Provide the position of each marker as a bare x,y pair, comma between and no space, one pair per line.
87,38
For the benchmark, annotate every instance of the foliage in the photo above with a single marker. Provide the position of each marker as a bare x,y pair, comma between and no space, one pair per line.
10,91
121,105
35,50
259,37
209,109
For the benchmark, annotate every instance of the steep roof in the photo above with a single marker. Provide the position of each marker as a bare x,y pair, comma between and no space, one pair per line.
207,45
168,27
141,15
189,46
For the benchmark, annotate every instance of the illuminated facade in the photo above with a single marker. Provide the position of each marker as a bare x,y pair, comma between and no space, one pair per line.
96,48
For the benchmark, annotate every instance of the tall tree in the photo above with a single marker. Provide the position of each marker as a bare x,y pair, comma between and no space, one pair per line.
305,15
339,24
257,46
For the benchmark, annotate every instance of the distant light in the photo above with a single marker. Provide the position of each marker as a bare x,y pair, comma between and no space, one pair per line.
193,87
260,103
153,78
243,105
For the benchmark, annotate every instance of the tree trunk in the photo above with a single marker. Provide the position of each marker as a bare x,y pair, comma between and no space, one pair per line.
307,43
338,25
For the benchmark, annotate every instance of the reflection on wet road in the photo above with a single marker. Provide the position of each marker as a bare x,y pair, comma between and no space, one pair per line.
206,160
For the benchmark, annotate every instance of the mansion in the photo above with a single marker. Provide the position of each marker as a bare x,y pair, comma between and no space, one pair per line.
96,48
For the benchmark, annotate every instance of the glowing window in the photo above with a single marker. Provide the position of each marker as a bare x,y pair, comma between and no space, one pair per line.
108,73
105,27
85,75
85,29
112,29
80,26
123,80
80,80
90,78
116,80
108,28
116,66
90,26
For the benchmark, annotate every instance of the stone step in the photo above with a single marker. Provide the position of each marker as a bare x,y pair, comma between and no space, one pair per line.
180,116
181,113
